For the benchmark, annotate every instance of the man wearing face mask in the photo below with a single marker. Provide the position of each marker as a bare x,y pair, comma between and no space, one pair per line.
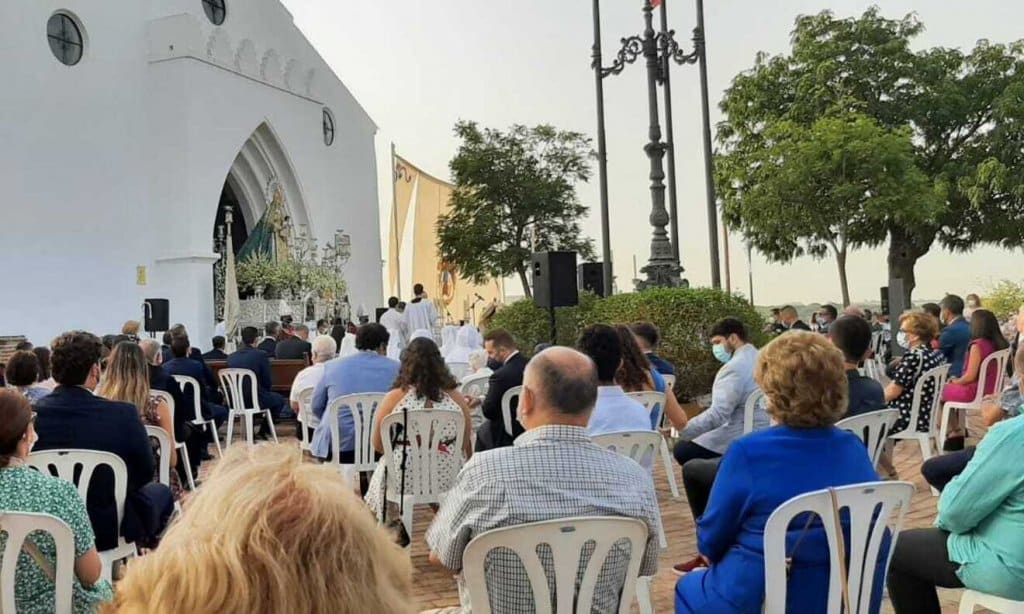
508,364
72,417
956,335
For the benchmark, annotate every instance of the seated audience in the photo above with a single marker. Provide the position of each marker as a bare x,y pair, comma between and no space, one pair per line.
852,335
209,392
956,334
324,350
827,314
648,336
368,370
636,374
217,353
775,324
310,525
269,342
131,330
803,378
986,338
478,364
23,489
791,320
508,365
22,374
184,404
613,411
977,541
423,382
45,378
127,379
857,311
532,482
257,361
917,329
296,347
72,417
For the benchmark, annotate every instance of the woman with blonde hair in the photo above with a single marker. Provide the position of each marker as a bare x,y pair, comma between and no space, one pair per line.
804,381
270,533
126,378
131,330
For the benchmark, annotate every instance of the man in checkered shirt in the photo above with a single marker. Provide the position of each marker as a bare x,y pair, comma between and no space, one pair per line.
553,471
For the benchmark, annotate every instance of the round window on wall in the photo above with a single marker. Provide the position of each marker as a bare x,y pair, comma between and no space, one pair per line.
216,11
328,127
65,38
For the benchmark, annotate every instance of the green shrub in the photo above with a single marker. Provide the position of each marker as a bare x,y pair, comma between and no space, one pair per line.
1004,299
684,316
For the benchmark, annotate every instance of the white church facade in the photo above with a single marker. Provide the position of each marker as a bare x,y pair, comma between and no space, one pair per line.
125,125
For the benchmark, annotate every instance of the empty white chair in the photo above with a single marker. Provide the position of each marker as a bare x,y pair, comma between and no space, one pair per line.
179,445
185,382
994,362
871,506
750,408
640,446
234,382
62,463
363,408
306,418
423,481
18,526
458,370
507,413
651,400
973,599
873,429
565,539
938,375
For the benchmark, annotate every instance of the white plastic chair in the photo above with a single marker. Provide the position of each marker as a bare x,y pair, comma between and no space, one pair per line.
458,370
62,463
18,526
639,446
872,507
873,429
164,439
305,416
670,382
995,360
234,383
650,400
566,540
972,599
363,408
183,381
750,408
507,413
423,480
476,386
178,445
938,375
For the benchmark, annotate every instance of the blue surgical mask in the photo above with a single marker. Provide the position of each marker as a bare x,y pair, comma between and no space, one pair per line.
721,353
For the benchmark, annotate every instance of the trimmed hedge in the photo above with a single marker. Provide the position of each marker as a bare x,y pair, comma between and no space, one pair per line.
684,316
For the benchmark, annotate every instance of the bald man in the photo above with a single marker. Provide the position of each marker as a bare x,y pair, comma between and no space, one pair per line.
552,471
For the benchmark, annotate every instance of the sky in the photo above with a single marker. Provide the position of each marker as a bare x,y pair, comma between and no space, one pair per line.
419,66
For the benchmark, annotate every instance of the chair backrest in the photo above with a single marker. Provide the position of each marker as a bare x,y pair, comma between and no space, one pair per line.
164,439
750,408
62,464
167,398
938,375
507,411
184,381
476,386
994,368
640,446
234,382
363,408
871,508
649,399
424,437
306,407
18,526
458,370
872,428
670,382
566,540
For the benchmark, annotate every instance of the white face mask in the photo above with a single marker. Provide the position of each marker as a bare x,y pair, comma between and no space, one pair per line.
902,340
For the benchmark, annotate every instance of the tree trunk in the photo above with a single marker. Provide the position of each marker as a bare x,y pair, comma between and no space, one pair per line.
904,252
525,281
843,283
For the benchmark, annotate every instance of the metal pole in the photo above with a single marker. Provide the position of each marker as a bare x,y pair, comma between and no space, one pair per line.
728,272
670,139
394,221
750,271
602,149
709,161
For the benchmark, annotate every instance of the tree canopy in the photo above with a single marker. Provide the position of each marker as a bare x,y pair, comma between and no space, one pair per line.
853,138
515,192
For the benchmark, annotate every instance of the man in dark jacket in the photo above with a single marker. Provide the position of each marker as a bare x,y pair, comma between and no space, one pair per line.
269,342
217,353
72,417
296,347
501,348
257,361
208,395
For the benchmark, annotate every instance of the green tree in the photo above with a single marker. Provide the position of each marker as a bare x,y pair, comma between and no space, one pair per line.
514,193
962,113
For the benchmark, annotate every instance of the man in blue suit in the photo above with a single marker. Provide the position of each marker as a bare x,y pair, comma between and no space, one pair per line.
956,336
257,361
72,417
181,364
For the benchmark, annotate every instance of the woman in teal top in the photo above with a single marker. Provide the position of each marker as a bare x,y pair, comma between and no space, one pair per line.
23,489
978,541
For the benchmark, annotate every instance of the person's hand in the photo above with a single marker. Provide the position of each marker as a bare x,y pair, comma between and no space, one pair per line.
992,413
473,401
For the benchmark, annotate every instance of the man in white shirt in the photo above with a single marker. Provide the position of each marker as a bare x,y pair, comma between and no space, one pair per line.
420,313
614,411
394,321
324,349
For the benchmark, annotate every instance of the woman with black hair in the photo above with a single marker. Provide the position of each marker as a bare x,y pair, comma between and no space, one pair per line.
986,338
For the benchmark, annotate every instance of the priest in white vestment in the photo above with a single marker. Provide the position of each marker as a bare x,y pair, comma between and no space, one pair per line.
420,313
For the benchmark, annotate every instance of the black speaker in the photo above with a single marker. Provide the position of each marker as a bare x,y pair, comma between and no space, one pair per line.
380,311
885,300
157,313
591,278
554,279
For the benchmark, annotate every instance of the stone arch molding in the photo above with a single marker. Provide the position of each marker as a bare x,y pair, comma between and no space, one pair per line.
262,162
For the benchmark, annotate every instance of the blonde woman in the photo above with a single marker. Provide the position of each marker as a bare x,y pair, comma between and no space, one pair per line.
127,379
269,533
131,329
